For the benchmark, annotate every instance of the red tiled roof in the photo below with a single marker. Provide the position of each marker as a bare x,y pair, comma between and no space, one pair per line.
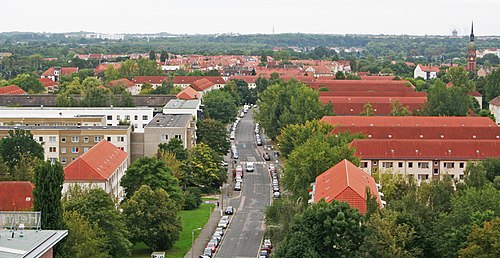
377,78
363,85
429,68
202,84
423,132
346,183
475,94
188,93
46,82
426,149
372,94
97,164
102,67
495,101
149,79
381,105
123,81
64,71
16,195
12,90
191,79
450,121
247,79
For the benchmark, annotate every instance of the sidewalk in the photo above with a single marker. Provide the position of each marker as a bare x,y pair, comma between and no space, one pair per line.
205,234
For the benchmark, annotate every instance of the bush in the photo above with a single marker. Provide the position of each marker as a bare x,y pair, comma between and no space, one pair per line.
192,198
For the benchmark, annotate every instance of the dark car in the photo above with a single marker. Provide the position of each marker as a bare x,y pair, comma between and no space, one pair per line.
229,210
267,157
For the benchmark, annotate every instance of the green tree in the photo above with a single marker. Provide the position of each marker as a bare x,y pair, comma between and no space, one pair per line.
174,146
491,87
128,69
90,83
203,169
19,143
66,100
385,237
147,67
442,101
324,230
152,55
152,217
85,239
49,179
97,206
153,173
111,73
475,175
340,75
460,78
294,135
399,110
367,110
483,241
261,84
492,168
95,97
28,82
220,106
163,56
214,134
288,103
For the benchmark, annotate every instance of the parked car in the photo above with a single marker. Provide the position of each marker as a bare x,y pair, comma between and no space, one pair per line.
264,253
276,189
212,246
276,194
220,231
236,155
259,142
267,242
232,135
207,252
267,157
238,179
229,211
218,236
242,114
215,241
222,223
250,167
237,186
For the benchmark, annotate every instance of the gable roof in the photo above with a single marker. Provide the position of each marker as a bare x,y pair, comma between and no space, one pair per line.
188,93
16,195
11,90
202,84
452,121
63,71
123,81
429,68
97,164
426,149
46,82
335,183
495,101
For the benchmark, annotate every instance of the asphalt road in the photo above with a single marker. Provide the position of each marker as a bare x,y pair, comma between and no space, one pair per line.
244,235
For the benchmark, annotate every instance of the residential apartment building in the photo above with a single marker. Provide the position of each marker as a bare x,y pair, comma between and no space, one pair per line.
137,117
66,143
103,166
165,127
85,120
181,106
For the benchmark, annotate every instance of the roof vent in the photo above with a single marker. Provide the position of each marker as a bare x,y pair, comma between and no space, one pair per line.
371,124
474,136
390,135
442,136
369,136
449,151
477,151
421,136
416,151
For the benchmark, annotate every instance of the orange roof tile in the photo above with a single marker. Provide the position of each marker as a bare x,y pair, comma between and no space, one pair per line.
409,121
123,81
202,84
12,90
346,183
16,195
188,93
97,164
46,82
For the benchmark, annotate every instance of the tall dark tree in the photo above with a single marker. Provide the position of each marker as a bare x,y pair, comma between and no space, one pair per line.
214,134
163,56
442,101
19,143
220,106
49,179
152,55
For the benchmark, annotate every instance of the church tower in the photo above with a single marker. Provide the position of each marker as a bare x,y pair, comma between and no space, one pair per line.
471,57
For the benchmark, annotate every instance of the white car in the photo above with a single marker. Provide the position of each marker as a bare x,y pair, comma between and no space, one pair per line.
222,223
250,167
238,179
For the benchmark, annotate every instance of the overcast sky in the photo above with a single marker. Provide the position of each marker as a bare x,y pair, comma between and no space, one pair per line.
416,17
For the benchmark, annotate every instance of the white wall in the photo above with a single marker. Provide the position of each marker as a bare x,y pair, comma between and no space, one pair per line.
495,110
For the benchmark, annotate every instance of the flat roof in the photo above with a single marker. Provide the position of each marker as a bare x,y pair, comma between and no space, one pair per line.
64,127
34,243
176,120
183,104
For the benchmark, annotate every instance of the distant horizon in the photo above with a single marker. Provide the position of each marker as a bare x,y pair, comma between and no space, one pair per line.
356,17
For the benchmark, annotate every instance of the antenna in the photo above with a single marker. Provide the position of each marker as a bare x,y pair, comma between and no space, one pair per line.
273,29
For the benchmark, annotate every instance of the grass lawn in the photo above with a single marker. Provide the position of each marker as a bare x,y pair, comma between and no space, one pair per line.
209,199
190,220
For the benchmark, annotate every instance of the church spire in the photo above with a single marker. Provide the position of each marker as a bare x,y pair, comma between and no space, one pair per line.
472,32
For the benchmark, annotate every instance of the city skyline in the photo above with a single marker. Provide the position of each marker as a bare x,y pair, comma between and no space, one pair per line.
390,17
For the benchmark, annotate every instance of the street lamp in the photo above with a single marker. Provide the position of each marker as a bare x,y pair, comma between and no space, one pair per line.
192,240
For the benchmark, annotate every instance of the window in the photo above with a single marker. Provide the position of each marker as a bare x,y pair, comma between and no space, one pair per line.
63,139
461,165
120,138
127,117
164,137
136,117
118,117
436,171
52,149
121,148
108,138
374,163
436,163
178,136
423,164
449,164
135,126
74,149
363,164
52,139
63,160
97,138
410,164
86,139
85,149
75,139
63,149
52,160
109,117
400,164
40,139
144,117
387,164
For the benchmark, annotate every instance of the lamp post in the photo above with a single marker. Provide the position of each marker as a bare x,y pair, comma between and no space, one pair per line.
192,240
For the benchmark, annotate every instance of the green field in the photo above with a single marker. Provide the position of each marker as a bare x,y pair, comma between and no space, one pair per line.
190,220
